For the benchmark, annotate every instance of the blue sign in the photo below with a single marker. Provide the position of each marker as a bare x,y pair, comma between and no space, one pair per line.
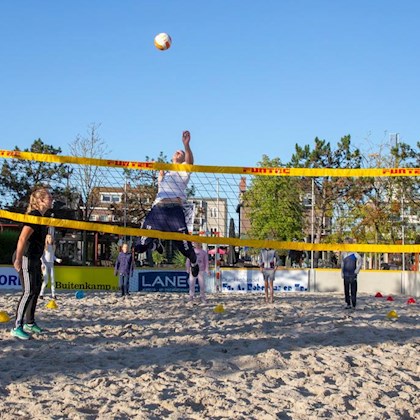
162,281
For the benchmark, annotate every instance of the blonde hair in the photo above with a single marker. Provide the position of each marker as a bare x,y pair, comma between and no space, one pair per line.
37,195
46,242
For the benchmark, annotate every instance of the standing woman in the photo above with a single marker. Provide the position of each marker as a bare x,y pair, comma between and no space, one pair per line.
203,264
27,262
48,259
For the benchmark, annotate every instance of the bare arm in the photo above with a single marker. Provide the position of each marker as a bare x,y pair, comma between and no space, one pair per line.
186,138
23,239
160,176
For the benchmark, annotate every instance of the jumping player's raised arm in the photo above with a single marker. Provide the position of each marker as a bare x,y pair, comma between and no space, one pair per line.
186,138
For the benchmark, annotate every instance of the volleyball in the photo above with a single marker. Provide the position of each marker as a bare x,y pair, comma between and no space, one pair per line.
163,41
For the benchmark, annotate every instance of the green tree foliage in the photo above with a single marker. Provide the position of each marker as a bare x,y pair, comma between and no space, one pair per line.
140,191
8,241
380,206
87,179
19,177
179,260
330,192
274,205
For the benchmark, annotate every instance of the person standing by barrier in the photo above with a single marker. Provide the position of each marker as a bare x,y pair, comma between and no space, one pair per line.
268,262
48,259
351,263
124,267
167,213
27,262
203,264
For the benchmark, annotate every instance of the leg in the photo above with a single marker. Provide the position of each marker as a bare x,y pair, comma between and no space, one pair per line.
121,284
36,282
271,285
175,222
150,222
127,284
265,277
186,249
44,283
347,290
201,283
353,286
52,279
25,281
191,281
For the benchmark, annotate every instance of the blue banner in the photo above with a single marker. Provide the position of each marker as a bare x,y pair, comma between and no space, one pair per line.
162,281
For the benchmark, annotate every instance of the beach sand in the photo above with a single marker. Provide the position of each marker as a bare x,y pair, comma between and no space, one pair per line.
153,356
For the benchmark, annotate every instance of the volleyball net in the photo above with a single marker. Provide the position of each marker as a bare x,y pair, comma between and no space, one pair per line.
301,209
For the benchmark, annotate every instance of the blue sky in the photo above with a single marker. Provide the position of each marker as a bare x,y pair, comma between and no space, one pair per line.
246,77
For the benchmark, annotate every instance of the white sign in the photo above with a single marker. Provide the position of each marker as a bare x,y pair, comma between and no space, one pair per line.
252,281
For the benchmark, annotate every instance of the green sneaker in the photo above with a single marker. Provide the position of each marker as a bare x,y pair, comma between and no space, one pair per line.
32,328
19,333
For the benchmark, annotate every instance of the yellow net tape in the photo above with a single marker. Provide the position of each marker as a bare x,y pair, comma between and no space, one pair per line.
106,228
310,172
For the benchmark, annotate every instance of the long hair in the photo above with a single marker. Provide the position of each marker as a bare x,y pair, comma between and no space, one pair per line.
52,242
37,195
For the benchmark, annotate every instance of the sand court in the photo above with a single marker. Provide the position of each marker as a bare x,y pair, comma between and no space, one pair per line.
157,356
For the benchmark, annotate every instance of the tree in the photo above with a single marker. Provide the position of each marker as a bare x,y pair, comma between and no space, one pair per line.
87,178
274,205
330,192
140,189
380,207
19,177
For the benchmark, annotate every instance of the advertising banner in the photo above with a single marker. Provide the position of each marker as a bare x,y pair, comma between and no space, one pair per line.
9,278
161,281
252,281
67,278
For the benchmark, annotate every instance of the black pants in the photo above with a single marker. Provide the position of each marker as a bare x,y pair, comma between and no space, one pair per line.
167,218
350,289
31,279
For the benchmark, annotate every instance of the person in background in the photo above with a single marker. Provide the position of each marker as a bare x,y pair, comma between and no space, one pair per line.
124,267
268,262
351,263
203,264
48,259
27,262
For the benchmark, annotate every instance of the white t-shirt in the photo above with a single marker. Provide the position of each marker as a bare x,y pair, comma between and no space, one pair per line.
268,259
173,185
49,255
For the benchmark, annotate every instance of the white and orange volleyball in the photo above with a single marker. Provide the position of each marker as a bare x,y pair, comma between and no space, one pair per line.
163,41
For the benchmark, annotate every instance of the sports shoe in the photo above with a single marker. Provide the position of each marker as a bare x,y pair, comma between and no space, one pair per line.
32,328
348,307
19,333
195,269
158,246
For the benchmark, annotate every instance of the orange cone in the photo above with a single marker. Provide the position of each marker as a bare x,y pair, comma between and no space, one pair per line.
411,301
390,298
378,295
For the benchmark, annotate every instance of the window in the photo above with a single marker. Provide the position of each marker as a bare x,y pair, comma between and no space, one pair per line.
115,198
213,212
110,198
